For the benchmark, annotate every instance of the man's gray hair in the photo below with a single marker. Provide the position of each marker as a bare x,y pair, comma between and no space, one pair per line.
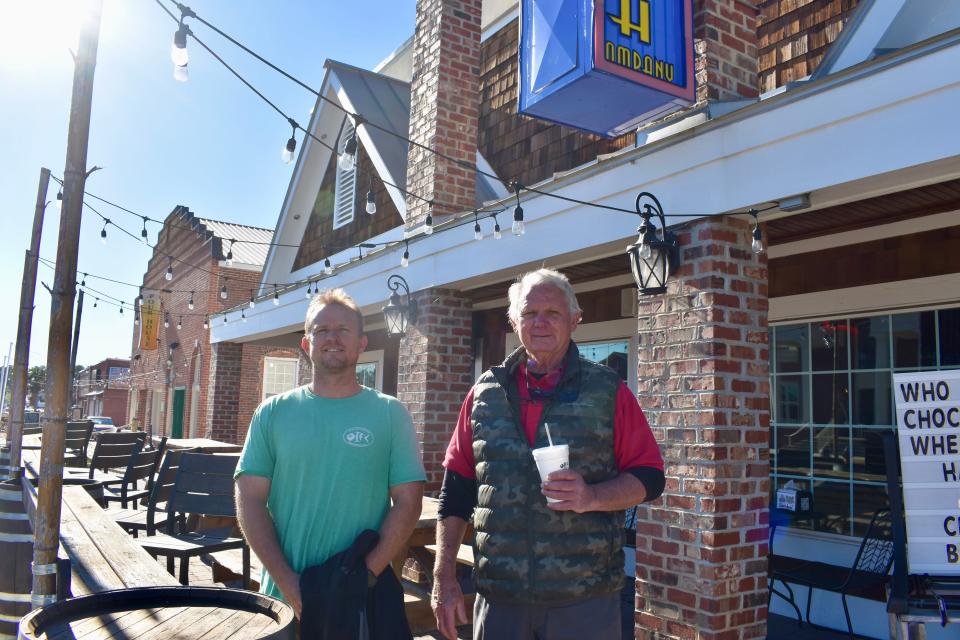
519,289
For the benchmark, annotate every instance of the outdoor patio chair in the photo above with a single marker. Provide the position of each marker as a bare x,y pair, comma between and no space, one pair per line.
76,440
113,451
140,467
867,577
204,485
133,520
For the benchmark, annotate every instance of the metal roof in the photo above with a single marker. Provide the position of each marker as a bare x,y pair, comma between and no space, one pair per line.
252,243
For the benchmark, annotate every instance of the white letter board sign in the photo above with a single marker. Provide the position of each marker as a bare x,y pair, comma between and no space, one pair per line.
928,428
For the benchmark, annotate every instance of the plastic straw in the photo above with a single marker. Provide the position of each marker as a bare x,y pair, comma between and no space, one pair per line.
549,439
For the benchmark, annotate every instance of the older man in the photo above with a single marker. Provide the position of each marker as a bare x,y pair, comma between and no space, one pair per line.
326,461
543,570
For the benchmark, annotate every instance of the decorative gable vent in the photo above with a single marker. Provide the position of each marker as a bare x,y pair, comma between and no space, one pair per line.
346,187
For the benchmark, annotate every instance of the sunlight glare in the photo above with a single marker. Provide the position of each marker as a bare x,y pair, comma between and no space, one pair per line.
38,33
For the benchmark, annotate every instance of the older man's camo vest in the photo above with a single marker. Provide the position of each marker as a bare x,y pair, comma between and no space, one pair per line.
524,551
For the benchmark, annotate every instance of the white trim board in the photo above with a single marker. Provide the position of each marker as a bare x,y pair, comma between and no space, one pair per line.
887,297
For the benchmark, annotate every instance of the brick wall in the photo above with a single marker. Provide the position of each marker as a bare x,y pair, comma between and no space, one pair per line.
703,383
436,372
725,49
223,405
443,107
793,36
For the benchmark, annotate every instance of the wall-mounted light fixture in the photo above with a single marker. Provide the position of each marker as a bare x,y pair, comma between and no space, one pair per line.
794,203
399,316
655,256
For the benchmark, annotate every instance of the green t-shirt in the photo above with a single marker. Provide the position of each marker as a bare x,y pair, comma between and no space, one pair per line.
331,462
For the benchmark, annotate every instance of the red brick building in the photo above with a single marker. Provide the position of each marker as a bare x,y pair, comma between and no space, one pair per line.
180,388
102,389
832,118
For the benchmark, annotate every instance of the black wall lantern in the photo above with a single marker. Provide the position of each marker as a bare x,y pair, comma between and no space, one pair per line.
398,315
655,256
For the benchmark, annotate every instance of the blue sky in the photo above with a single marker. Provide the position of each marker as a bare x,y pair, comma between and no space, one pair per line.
209,143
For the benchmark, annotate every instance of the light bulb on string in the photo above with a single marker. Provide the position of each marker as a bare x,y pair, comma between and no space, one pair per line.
229,257
276,296
243,316
405,260
223,292
309,289
757,243
224,318
190,302
253,301
180,73
169,274
497,234
59,199
143,232
477,232
180,323
121,308
327,267
103,232
206,324
166,321
83,282
371,202
519,227
348,157
136,318
95,301
178,51
287,154
428,224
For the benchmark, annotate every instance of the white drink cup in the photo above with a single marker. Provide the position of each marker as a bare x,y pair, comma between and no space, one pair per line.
550,459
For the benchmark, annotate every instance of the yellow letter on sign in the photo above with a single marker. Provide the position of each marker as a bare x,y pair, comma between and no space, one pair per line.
626,23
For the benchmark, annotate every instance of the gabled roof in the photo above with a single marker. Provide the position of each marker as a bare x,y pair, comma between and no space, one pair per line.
243,251
878,27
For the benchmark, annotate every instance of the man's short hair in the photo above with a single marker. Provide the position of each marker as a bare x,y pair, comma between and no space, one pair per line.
331,296
519,289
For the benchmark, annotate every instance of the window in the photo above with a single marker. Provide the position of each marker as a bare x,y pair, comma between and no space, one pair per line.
279,375
370,369
117,372
612,353
831,403
345,195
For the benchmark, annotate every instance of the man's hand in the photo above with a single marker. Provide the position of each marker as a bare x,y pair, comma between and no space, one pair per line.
448,605
289,585
569,487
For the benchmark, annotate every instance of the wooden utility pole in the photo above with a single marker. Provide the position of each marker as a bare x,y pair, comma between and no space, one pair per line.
73,349
21,356
47,533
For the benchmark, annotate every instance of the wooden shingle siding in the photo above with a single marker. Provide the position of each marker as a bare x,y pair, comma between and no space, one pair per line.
793,36
516,146
320,232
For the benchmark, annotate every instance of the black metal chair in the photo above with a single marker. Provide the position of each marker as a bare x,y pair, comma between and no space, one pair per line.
133,520
204,485
140,467
76,440
868,576
113,451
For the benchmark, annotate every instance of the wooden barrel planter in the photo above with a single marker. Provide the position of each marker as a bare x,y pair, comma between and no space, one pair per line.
93,487
16,554
164,612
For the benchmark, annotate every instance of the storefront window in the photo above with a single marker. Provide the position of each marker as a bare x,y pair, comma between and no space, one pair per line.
611,353
832,401
367,374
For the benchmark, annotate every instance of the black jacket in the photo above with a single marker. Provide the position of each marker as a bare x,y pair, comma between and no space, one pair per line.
338,605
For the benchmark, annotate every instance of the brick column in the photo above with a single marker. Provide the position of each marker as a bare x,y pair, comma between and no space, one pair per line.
444,106
703,383
223,399
725,49
435,373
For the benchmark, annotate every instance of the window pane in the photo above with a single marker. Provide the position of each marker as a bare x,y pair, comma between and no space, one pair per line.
868,462
833,500
612,354
866,500
828,345
871,398
792,347
831,458
870,347
950,337
792,395
367,374
830,395
914,340
793,450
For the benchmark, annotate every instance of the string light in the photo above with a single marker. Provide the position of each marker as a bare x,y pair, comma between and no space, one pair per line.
497,234
103,232
180,323
371,202
136,318
178,50
166,321
169,275
190,302
223,292
477,233
287,154
83,282
327,267
206,324
276,296
428,224
518,227
95,301
143,232
243,316
229,258
253,301
309,289
757,244
405,260
121,308
348,158
224,318
59,199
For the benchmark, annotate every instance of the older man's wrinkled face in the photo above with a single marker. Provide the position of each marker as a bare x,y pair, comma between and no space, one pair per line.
545,324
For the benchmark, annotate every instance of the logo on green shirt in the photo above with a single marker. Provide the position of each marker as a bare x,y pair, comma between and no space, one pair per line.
358,437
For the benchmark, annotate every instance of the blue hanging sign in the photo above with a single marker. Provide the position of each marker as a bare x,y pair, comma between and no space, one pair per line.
605,66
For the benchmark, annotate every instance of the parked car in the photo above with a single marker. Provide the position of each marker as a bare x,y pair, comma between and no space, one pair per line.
102,424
